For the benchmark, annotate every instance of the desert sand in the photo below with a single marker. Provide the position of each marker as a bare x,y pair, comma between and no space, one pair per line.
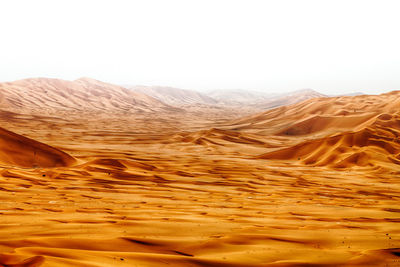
125,182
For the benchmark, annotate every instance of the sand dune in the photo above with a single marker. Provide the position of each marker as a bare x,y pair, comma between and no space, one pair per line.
240,97
365,139
217,137
49,96
175,96
289,98
311,184
367,147
261,100
22,151
56,97
343,112
318,123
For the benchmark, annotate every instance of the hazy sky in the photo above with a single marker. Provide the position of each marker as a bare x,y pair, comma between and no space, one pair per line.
330,46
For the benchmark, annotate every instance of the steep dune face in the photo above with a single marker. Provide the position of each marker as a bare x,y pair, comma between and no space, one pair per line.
21,151
53,95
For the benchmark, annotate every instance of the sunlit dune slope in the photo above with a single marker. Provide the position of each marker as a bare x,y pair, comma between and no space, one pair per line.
21,151
326,115
338,132
371,145
54,95
327,124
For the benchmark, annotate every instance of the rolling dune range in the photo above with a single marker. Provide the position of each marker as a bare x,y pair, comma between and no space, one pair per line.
311,184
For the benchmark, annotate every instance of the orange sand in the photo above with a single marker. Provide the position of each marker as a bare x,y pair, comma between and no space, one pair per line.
312,184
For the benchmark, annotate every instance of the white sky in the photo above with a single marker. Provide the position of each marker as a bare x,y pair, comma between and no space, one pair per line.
330,46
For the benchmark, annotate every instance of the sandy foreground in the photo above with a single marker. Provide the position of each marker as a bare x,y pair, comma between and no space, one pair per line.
147,193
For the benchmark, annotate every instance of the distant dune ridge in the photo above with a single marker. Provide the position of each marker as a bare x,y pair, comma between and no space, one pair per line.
236,97
263,100
175,96
53,95
289,98
226,98
45,95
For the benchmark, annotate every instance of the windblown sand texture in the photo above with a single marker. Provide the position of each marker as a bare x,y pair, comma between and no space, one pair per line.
143,183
